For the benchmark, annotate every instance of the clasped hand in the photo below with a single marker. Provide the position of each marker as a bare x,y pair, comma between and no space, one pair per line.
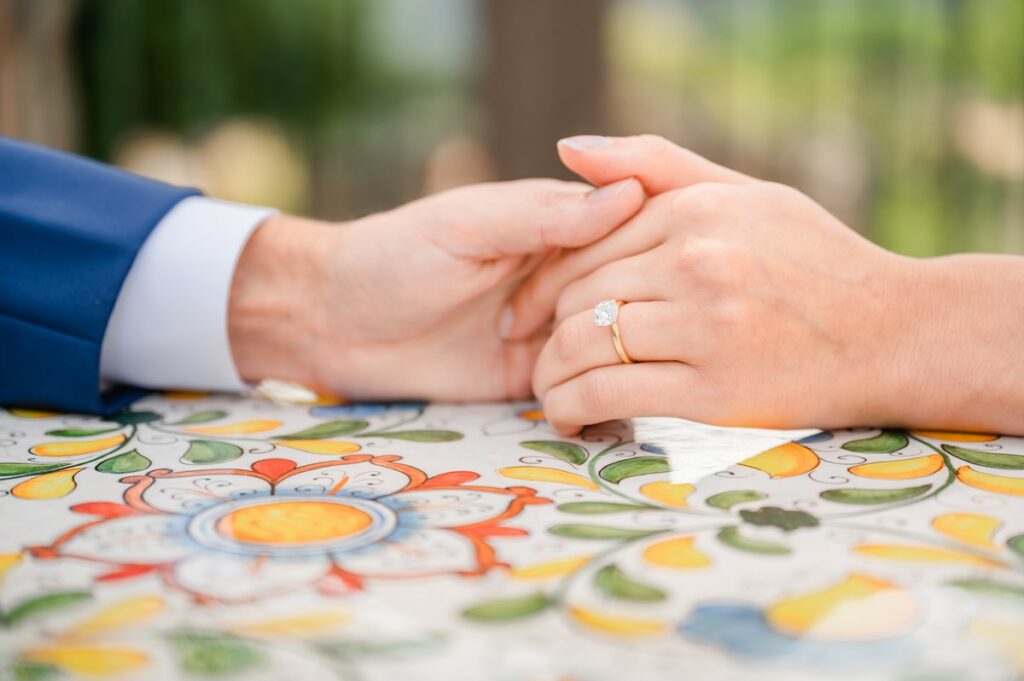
746,303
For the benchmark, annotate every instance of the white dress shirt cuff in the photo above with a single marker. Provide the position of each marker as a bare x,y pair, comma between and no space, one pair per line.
169,328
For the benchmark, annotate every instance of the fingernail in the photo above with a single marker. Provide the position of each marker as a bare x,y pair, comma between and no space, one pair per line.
505,320
609,190
586,142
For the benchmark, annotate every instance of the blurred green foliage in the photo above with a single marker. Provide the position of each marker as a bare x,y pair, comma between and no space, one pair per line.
181,64
904,97
897,78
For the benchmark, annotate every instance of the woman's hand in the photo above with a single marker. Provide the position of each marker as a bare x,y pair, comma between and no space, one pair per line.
406,304
749,304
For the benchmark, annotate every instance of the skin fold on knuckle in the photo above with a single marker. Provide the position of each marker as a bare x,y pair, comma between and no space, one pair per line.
655,147
569,301
718,268
530,306
568,339
597,396
704,200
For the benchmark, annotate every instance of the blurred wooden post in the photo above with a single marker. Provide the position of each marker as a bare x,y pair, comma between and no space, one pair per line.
36,98
544,80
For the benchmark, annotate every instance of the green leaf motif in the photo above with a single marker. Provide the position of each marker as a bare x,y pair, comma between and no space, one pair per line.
212,655
9,470
567,451
730,536
726,500
987,459
628,468
613,583
508,609
422,435
42,604
887,442
131,418
24,670
347,650
1016,544
210,451
582,531
201,417
989,587
79,432
772,516
600,507
129,462
870,497
327,429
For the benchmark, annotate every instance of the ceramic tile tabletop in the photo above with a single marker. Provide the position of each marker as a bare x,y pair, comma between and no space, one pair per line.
201,537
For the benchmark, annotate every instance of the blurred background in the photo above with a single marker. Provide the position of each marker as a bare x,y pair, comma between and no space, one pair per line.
903,117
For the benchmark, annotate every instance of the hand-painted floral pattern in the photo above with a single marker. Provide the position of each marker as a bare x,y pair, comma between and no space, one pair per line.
201,536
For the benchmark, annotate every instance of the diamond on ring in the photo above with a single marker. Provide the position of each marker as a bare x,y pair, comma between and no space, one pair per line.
606,312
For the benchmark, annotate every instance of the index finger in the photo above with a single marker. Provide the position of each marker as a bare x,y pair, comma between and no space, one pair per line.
660,165
522,217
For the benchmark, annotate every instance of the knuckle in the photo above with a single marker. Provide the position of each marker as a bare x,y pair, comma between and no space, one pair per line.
547,198
719,264
734,316
545,194
596,393
703,198
568,338
776,193
655,145
567,302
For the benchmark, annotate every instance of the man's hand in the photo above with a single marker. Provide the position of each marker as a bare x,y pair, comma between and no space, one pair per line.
408,303
749,304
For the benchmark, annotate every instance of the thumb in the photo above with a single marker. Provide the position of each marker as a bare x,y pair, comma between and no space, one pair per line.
659,165
523,217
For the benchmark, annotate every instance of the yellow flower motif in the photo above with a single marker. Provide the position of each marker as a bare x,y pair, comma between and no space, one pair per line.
857,607
77,447
784,461
185,394
626,627
48,486
971,528
295,627
990,482
325,447
554,568
955,437
7,561
119,616
33,413
88,660
903,469
543,474
923,554
677,553
668,493
237,428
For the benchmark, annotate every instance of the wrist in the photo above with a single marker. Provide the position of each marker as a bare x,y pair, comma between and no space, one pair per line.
960,320
274,294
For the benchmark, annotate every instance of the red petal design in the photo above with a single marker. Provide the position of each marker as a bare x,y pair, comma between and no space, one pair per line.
126,572
105,509
273,468
338,582
450,479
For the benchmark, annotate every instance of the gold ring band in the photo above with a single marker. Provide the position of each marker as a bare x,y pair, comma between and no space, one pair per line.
606,313
617,339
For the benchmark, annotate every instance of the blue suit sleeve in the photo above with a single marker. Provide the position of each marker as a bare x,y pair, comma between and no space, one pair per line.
70,229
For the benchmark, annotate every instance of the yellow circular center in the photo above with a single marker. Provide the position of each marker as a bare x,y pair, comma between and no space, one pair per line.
293,522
